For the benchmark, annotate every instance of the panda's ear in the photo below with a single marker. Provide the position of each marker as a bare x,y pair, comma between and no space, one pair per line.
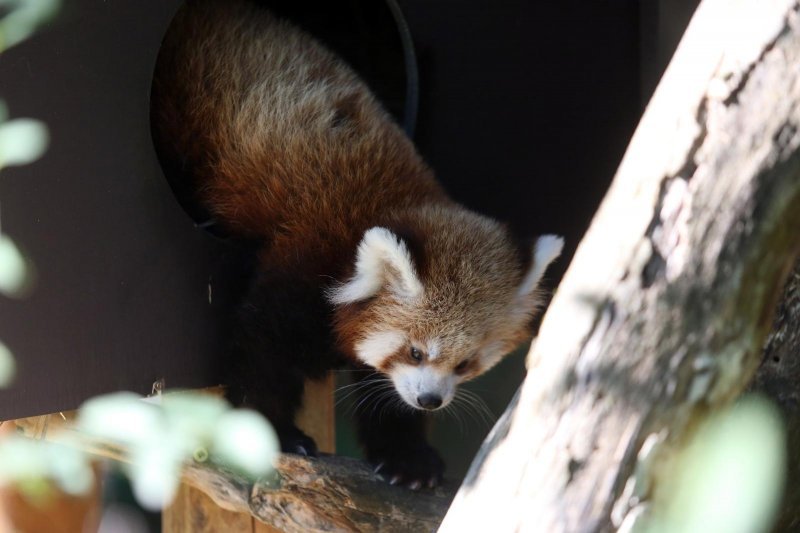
545,251
382,261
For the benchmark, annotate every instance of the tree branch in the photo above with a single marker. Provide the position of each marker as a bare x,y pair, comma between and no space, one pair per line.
327,493
663,313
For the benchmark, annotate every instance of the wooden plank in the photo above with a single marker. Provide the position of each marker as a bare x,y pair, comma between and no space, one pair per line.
194,512
57,512
316,417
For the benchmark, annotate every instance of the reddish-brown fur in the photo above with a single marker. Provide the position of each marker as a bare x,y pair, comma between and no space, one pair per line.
284,144
307,177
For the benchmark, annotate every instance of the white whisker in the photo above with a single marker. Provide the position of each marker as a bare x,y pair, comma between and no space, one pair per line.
474,406
378,390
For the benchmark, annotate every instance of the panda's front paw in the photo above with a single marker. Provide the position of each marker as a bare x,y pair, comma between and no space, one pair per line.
413,467
295,441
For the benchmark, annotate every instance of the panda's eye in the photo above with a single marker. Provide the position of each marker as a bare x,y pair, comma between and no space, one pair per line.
461,367
416,355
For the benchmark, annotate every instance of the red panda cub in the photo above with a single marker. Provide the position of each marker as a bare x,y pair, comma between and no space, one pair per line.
362,258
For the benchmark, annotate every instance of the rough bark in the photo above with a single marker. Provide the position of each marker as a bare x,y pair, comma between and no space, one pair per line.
328,493
778,377
663,313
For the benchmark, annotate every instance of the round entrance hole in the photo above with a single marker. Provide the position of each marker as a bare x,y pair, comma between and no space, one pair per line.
372,37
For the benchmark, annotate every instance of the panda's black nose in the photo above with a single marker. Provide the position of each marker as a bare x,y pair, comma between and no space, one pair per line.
429,401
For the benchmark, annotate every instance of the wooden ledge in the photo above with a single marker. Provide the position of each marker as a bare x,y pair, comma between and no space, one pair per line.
327,493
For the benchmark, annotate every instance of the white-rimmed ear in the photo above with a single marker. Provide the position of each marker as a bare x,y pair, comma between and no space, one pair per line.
545,251
382,260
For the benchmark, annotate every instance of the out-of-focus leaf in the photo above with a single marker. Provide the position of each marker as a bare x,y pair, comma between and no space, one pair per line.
24,18
8,367
69,468
31,465
120,417
162,433
730,477
155,474
20,458
22,141
193,417
16,272
246,441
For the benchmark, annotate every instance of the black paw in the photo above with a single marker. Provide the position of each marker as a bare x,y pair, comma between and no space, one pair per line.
414,468
295,441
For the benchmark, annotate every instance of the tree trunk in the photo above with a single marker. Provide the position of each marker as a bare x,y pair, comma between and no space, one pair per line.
663,313
778,377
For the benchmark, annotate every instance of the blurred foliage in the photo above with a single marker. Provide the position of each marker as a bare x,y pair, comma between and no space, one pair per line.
16,271
154,437
22,141
730,478
31,464
160,437
8,367
23,18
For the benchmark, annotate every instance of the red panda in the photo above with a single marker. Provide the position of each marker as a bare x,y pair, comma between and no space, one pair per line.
363,259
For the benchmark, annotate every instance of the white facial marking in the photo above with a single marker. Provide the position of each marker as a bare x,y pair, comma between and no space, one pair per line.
411,382
379,250
379,345
433,347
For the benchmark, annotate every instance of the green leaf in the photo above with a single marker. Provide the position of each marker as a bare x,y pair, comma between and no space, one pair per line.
8,367
16,273
245,441
25,17
22,141
155,472
730,478
121,417
32,464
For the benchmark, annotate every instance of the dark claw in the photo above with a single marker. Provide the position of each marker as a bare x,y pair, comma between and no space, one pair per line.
414,468
301,450
295,441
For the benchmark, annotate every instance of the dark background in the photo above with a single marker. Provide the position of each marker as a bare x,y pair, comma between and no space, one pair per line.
525,110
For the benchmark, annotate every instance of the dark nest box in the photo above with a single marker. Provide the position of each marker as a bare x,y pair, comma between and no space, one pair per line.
524,111
130,290
125,282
